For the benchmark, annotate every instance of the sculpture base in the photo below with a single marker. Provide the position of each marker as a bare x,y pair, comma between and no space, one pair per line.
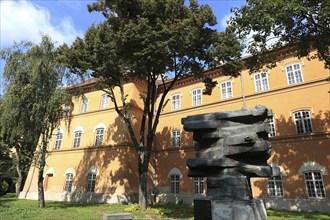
229,210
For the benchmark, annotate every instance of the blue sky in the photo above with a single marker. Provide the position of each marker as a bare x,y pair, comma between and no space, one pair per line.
64,20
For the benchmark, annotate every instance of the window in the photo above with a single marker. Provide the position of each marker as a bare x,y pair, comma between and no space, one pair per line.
272,132
176,103
226,90
68,182
91,180
105,101
275,186
176,139
294,74
314,184
84,104
302,122
199,185
77,138
261,81
197,97
58,142
99,136
175,183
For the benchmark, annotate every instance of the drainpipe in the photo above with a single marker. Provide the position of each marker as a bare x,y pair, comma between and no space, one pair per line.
242,89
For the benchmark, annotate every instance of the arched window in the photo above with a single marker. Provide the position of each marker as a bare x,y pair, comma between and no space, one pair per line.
91,179
77,136
303,121
275,183
313,175
58,141
99,134
174,175
199,185
69,175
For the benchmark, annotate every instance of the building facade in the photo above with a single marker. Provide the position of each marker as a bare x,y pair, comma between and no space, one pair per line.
92,158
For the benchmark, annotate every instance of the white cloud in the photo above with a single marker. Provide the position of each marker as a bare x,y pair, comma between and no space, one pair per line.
23,20
224,20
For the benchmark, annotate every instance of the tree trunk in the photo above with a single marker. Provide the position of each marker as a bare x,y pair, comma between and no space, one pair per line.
143,196
20,178
19,172
41,194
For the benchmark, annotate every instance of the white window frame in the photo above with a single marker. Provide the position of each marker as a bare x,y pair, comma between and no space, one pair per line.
275,186
84,105
199,185
105,101
226,89
314,187
303,123
261,84
176,102
272,127
91,181
292,74
68,182
77,138
175,184
176,138
99,135
195,93
58,141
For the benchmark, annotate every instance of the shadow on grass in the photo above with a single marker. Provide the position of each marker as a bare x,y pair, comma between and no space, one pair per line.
180,211
272,214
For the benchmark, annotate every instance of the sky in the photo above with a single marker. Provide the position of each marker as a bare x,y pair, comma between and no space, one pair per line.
64,20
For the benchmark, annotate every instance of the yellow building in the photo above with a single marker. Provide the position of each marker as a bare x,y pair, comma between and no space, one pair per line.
92,159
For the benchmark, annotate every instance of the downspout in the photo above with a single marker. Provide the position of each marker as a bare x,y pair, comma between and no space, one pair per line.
242,89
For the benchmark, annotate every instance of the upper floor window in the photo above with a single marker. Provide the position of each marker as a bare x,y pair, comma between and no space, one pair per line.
261,81
196,97
68,182
58,142
199,185
275,186
175,184
84,104
314,184
105,101
176,102
99,136
272,131
76,139
303,122
226,90
294,74
176,138
91,181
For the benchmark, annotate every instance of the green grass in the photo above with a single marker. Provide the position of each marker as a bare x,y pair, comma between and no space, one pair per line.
11,208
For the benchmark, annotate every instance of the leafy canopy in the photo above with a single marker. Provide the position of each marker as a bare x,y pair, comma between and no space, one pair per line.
303,24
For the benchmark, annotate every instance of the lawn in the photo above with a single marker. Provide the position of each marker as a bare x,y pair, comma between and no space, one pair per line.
11,208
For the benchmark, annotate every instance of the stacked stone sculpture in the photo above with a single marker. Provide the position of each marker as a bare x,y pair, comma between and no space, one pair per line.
231,147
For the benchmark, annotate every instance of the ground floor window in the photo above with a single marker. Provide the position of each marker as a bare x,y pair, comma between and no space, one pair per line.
314,184
175,184
198,185
68,182
275,186
91,180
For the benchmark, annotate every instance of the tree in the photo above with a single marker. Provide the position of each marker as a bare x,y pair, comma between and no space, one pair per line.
303,25
33,102
146,40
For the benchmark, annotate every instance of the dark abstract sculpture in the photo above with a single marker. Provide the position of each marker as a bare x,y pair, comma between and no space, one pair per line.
231,148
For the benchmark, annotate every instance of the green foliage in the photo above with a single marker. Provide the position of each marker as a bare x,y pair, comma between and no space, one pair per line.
147,40
33,98
132,208
302,24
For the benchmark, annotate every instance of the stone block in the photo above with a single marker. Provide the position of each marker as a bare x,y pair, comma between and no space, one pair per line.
119,216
